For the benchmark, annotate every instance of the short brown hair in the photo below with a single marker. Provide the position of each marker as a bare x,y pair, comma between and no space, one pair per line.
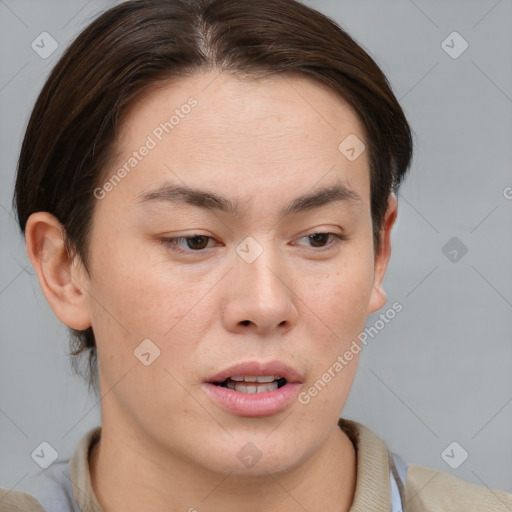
71,135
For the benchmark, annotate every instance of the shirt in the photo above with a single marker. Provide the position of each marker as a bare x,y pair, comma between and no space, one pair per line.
384,482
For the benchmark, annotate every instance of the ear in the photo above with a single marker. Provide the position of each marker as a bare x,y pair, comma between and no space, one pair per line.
61,277
378,295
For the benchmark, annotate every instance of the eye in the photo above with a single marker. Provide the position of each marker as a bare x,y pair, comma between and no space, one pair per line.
194,243
319,239
199,243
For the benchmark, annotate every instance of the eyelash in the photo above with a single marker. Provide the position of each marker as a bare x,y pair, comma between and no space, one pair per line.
171,242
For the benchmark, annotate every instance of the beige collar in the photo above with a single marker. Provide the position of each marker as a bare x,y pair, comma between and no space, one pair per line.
372,486
373,476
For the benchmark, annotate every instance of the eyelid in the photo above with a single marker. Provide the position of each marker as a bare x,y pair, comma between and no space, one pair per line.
169,242
339,238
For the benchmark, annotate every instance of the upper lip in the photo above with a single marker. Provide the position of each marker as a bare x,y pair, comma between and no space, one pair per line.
255,369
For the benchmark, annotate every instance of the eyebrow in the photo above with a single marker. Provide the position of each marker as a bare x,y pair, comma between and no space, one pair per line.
213,201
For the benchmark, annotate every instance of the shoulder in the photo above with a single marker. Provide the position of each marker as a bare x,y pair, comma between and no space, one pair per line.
64,486
49,490
428,489
13,501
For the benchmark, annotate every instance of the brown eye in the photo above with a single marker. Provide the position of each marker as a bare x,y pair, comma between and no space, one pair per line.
195,243
319,238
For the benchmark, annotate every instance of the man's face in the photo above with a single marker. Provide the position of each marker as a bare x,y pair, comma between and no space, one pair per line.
269,284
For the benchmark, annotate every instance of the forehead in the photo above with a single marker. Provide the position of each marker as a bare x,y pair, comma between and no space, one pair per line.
248,135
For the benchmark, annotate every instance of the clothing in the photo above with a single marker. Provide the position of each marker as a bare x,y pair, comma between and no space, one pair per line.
385,483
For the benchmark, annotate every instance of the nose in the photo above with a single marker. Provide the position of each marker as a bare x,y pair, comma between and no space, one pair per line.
260,296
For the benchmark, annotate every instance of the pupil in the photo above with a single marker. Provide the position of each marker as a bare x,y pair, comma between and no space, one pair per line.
191,245
314,238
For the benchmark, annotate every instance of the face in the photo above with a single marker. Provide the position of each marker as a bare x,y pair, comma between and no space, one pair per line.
240,278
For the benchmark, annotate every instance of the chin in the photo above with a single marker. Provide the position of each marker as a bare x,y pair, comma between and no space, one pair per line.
257,458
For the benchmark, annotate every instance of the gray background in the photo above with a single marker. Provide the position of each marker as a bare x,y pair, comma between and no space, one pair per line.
440,371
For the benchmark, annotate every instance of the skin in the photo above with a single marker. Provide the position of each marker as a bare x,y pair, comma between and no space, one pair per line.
165,445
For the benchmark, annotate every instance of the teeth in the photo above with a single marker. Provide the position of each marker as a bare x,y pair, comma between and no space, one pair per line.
260,378
258,388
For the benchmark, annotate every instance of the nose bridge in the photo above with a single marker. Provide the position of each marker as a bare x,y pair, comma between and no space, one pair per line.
259,266
259,289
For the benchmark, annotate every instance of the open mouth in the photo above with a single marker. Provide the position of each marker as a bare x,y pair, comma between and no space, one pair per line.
250,384
253,388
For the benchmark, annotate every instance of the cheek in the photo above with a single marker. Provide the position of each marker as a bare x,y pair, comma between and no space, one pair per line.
135,300
138,294
136,288
336,306
337,301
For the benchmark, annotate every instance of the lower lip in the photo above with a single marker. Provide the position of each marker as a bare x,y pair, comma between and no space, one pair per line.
253,404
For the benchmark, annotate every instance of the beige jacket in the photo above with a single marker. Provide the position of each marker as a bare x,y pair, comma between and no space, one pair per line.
424,490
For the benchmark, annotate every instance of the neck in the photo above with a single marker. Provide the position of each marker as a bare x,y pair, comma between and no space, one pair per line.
128,479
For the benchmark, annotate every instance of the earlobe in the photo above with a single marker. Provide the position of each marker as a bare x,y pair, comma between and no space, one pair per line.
61,279
378,295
